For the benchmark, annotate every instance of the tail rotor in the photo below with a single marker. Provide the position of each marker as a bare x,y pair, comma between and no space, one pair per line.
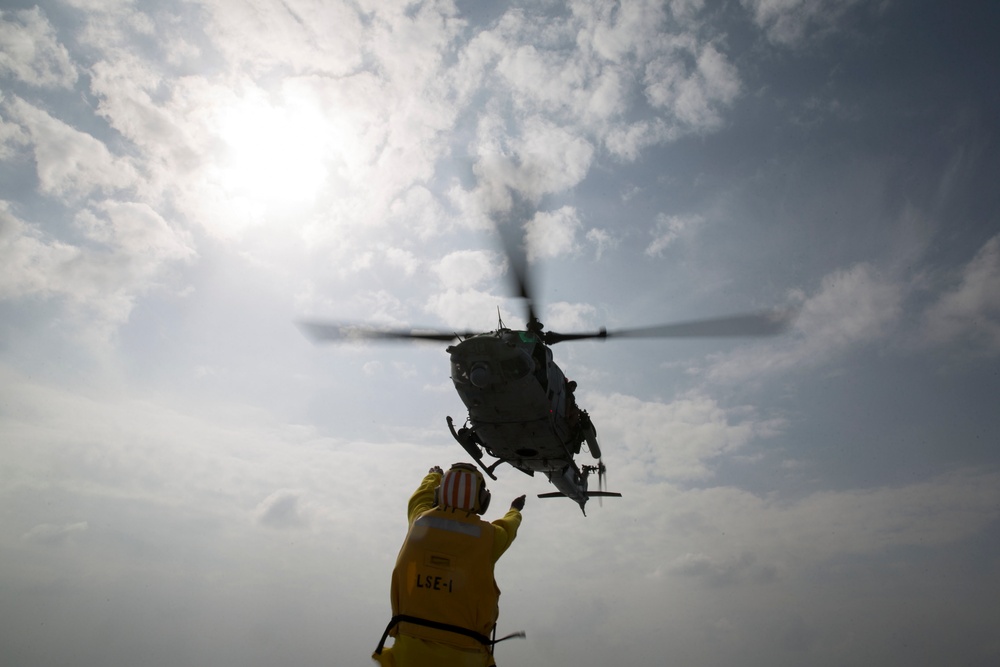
602,474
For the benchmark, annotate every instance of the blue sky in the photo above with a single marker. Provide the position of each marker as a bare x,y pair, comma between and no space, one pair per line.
186,479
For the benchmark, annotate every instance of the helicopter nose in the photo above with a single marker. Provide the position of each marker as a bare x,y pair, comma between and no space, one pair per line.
480,375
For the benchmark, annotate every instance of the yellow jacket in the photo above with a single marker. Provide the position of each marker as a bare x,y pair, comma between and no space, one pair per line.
444,574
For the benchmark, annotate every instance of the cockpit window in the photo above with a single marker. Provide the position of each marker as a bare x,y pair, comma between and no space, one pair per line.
458,373
516,367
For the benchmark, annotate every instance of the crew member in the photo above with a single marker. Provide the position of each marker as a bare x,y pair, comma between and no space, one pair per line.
444,596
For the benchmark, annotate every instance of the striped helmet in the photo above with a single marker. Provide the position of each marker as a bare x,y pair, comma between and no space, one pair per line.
464,488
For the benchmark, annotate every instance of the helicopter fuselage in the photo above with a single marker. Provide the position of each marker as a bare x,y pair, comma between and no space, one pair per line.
521,408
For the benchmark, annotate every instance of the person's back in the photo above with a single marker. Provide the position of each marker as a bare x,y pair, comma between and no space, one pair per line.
444,597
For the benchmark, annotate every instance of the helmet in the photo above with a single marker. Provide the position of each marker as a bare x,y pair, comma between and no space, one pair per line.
463,487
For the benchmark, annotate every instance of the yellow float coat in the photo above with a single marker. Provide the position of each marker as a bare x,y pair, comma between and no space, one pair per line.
444,573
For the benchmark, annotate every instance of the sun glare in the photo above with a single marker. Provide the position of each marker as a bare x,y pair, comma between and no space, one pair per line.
276,154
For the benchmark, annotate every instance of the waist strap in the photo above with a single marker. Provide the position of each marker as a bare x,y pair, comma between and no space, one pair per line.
447,627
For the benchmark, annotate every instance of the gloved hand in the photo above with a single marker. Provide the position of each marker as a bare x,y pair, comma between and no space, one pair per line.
436,469
517,503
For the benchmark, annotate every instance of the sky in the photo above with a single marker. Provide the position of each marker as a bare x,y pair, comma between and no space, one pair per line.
186,479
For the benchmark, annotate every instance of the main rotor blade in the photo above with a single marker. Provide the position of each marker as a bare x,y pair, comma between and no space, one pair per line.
767,323
341,333
511,237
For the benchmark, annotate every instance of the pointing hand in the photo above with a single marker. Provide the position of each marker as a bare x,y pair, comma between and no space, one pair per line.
517,503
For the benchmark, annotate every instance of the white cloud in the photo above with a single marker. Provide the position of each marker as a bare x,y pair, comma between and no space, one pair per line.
827,525
569,317
671,441
70,163
602,240
128,247
578,70
668,229
419,211
788,21
403,260
471,309
618,33
970,311
722,570
337,144
542,159
560,83
299,34
852,307
136,231
51,534
32,260
551,234
281,509
12,137
30,50
469,268
694,96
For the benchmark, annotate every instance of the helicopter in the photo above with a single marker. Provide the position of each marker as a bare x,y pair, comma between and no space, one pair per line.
522,408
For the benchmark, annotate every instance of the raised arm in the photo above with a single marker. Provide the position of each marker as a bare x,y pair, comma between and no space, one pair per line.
423,498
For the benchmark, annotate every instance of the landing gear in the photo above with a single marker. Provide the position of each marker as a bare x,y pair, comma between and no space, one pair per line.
470,442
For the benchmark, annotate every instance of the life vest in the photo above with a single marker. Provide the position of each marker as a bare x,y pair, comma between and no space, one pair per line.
444,575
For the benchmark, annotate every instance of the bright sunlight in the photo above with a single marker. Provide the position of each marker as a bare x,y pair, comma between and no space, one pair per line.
276,156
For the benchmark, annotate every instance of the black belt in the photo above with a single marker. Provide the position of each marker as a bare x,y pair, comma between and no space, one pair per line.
447,627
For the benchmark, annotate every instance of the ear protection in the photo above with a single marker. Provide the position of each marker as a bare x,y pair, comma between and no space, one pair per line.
463,487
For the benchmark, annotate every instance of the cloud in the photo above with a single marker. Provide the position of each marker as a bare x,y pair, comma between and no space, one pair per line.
559,82
12,137
70,163
727,535
562,316
828,525
586,72
720,571
693,96
420,211
551,234
852,307
971,310
468,308
51,534
31,52
622,32
128,246
718,565
676,440
469,268
281,510
602,240
347,135
668,229
787,21
403,260
540,158
265,36
32,260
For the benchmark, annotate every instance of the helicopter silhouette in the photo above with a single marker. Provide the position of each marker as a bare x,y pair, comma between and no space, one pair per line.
522,409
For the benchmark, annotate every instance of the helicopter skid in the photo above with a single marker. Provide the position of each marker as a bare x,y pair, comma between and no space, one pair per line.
467,438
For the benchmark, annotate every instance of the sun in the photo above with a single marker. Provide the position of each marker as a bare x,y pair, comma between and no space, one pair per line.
275,155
